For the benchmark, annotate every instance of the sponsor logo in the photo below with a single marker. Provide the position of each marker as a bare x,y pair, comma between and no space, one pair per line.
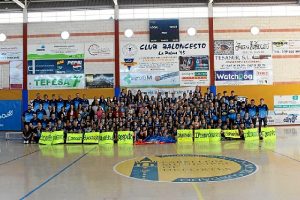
42,48
234,75
129,50
185,168
280,43
96,50
7,115
76,64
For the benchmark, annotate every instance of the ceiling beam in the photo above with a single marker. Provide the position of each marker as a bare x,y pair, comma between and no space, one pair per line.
19,3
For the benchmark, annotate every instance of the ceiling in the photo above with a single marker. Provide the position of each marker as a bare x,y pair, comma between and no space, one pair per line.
9,5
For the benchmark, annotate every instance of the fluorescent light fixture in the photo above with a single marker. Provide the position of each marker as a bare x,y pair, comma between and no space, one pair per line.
128,33
191,31
254,30
65,35
2,37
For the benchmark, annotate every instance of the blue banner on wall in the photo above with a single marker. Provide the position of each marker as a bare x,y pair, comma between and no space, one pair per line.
70,66
244,75
10,115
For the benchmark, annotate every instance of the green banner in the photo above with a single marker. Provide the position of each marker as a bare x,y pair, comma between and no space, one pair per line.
125,137
54,56
106,138
201,135
185,136
58,137
232,133
214,135
251,134
268,133
46,138
91,138
74,138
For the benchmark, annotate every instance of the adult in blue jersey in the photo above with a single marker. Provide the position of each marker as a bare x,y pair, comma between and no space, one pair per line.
252,110
76,101
40,112
46,102
53,101
34,121
59,103
262,109
28,115
37,101
68,103
85,102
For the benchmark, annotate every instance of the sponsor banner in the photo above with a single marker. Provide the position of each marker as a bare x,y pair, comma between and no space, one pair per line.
55,51
194,78
286,47
201,135
16,74
243,62
154,91
150,79
232,133
193,63
251,134
9,53
254,47
58,137
245,77
160,57
224,47
263,77
288,119
46,138
215,135
185,136
287,105
239,57
58,81
91,138
268,133
74,138
125,137
106,138
98,50
71,66
10,115
99,80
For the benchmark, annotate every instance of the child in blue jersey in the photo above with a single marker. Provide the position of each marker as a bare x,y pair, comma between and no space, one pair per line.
252,110
262,115
223,112
40,112
232,110
248,121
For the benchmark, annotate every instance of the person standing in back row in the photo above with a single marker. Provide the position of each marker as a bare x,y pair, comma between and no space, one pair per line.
262,109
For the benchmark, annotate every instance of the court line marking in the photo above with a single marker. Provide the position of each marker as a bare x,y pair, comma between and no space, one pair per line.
294,159
17,158
55,175
198,191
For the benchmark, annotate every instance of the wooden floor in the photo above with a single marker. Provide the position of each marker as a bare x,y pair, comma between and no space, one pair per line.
86,171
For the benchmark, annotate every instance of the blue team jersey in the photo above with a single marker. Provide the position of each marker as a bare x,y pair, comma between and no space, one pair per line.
40,113
262,111
252,110
46,104
248,122
68,105
59,105
76,102
53,103
44,123
28,115
85,103
36,103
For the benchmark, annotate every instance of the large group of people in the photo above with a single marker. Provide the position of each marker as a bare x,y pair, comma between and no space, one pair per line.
161,115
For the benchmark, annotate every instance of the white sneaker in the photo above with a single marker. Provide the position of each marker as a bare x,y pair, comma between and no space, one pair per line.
24,142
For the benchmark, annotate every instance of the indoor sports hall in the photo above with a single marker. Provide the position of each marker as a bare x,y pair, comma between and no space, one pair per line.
142,100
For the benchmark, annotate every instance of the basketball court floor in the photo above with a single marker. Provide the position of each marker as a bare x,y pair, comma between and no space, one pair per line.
229,170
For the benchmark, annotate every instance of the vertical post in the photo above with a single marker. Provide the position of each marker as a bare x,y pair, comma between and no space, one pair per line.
25,37
211,47
117,52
